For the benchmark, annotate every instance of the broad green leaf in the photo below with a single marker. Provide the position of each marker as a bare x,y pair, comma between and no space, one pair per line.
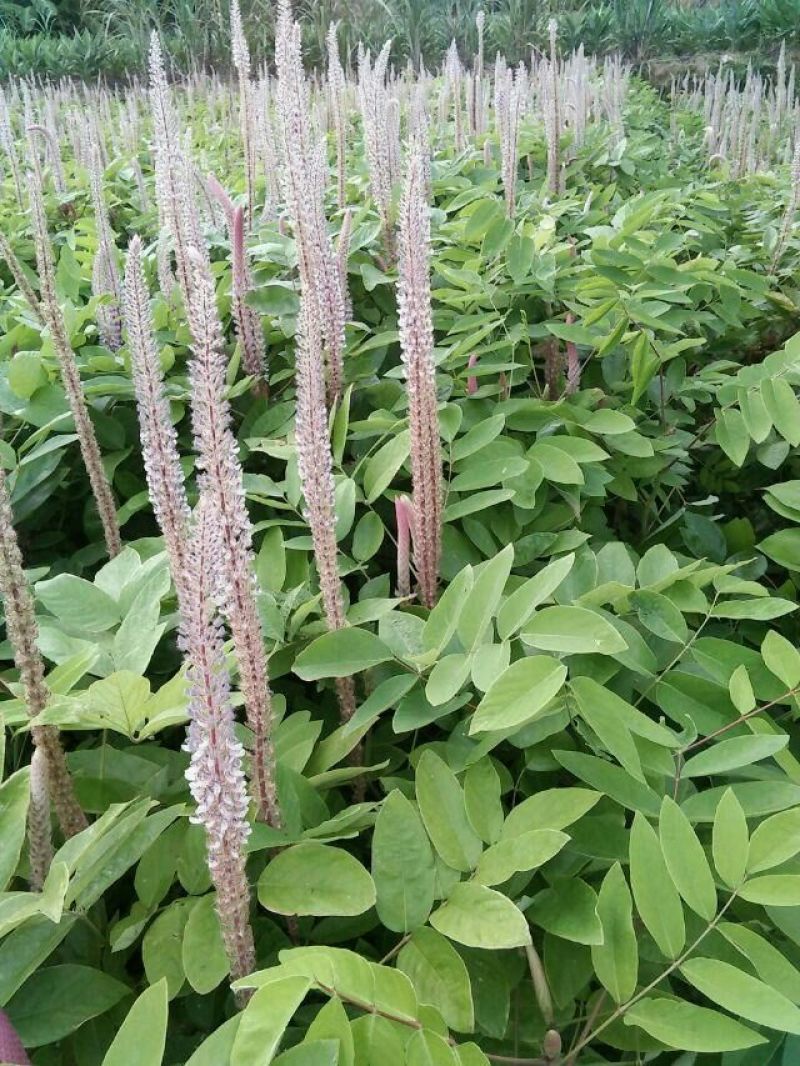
660,615
14,794
264,1021
332,1023
781,658
731,754
611,729
143,1034
205,961
482,600
524,852
216,1049
439,977
770,965
686,860
657,899
616,960
741,690
479,917
730,840
340,653
57,1000
571,631
427,1048
774,840
78,603
443,619
523,690
292,882
311,1053
773,890
521,604
402,865
610,779
162,946
553,808
742,994
443,810
482,791
384,464
687,1027
569,910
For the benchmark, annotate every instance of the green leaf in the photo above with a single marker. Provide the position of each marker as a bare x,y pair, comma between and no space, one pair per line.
521,604
601,716
13,813
479,917
687,1027
616,960
427,1048
660,615
519,694
553,808
569,910
216,1049
482,791
57,1000
657,899
264,1020
483,598
741,690
524,852
341,653
773,890
443,810
781,658
686,860
143,1034
774,841
402,865
443,619
519,258
439,977
78,604
783,547
332,1024
731,435
291,883
571,631
384,464
311,1053
205,961
731,754
730,840
742,994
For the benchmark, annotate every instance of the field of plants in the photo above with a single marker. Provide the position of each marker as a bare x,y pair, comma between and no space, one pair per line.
399,564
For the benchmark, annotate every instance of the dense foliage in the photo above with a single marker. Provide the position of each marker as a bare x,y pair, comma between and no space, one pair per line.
83,39
562,824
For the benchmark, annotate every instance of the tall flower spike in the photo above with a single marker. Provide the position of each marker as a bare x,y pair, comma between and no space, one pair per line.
174,183
8,145
553,121
159,440
303,161
70,377
416,341
342,256
248,324
22,634
222,481
337,86
215,774
105,275
241,61
315,464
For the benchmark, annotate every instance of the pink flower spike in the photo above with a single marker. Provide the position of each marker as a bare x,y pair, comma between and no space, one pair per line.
404,516
472,382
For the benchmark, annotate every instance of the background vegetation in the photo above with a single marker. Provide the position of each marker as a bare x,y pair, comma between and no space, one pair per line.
83,38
